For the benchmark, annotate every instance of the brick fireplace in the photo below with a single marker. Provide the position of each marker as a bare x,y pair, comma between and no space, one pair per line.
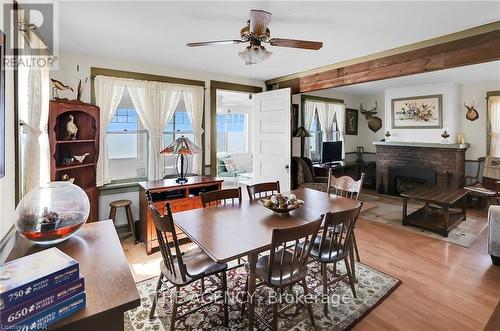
405,164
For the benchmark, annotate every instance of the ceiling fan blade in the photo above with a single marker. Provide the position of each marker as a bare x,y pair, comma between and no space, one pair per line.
259,20
216,42
293,43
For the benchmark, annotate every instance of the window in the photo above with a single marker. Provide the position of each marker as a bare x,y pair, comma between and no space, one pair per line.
494,125
232,132
127,142
179,125
316,139
317,136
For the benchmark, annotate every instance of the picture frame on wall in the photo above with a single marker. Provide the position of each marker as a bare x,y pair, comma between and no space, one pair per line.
2,104
351,122
295,117
418,112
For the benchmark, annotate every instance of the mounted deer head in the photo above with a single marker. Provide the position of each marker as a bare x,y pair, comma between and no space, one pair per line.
368,113
374,122
472,113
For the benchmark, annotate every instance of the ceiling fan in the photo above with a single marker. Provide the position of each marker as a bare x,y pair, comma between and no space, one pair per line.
256,32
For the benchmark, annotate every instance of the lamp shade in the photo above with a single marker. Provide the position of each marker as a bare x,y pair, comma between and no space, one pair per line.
183,146
302,133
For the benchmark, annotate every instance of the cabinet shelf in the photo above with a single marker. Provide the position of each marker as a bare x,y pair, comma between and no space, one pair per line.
74,166
74,141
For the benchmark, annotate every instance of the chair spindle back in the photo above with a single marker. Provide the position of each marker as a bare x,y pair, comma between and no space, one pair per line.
165,229
345,186
221,197
263,190
338,233
303,237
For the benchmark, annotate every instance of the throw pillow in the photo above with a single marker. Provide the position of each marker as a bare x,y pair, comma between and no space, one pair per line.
229,163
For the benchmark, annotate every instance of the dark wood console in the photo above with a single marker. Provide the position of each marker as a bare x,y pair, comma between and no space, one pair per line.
181,197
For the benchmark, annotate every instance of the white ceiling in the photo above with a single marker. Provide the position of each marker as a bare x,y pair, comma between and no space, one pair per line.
471,74
156,32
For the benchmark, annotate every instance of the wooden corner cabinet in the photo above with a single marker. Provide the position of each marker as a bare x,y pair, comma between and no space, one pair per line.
181,197
67,150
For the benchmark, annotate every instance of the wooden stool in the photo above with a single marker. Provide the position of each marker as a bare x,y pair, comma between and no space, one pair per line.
125,204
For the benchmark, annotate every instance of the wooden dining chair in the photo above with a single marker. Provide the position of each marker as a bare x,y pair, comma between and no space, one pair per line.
231,196
221,197
182,268
263,190
335,245
347,187
284,266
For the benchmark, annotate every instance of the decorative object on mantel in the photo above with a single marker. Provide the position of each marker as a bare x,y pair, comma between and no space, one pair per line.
421,112
81,158
387,135
351,122
472,113
71,128
181,146
302,133
374,122
445,135
52,212
460,138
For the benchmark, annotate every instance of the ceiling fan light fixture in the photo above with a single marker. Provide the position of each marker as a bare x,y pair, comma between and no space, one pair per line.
254,54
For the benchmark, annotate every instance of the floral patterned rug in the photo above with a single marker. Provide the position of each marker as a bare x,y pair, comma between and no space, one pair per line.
345,311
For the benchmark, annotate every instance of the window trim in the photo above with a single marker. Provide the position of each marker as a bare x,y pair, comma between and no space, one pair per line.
96,71
488,125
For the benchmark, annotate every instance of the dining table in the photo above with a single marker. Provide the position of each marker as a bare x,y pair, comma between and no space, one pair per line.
228,232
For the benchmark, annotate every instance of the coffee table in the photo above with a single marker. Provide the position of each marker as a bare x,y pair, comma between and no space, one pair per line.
443,210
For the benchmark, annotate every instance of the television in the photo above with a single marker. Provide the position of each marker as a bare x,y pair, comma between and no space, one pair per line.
332,152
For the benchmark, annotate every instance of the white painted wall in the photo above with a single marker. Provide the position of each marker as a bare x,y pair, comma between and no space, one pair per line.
67,74
450,112
475,132
7,183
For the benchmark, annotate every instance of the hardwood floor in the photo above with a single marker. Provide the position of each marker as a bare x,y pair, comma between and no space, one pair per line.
444,286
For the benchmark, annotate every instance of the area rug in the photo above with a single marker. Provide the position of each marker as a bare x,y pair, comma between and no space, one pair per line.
389,211
344,310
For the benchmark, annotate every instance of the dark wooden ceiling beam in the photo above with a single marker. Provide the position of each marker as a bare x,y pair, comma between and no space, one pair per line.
475,49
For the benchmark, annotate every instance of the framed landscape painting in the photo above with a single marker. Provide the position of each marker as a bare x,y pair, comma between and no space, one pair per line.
422,112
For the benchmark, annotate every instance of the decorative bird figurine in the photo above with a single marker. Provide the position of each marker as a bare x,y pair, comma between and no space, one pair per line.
71,128
59,86
80,158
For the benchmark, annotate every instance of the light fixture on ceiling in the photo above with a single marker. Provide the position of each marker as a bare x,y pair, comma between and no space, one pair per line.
254,53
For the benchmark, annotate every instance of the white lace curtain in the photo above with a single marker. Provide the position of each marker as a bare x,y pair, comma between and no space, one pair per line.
108,93
34,95
494,115
193,100
309,111
328,114
155,104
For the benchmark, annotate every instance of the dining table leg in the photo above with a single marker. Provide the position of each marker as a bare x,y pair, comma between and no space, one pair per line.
252,279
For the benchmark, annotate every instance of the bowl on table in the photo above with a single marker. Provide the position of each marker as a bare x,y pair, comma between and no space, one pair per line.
281,204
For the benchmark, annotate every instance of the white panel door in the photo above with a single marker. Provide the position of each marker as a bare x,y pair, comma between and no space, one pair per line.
272,137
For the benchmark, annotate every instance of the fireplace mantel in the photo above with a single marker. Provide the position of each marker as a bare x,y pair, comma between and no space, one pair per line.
446,160
423,145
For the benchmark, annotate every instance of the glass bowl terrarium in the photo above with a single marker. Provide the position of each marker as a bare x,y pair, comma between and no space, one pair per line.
52,212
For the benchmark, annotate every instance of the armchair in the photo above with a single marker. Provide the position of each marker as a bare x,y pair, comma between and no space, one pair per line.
304,176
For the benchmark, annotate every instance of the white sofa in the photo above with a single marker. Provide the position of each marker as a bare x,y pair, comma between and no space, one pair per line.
494,234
